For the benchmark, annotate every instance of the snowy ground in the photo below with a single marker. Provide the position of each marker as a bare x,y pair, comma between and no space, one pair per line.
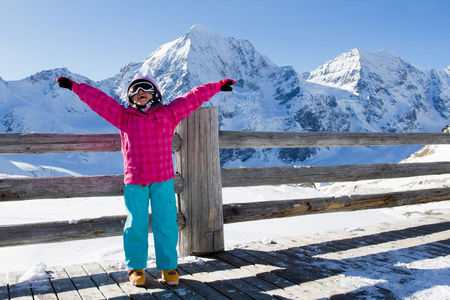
34,258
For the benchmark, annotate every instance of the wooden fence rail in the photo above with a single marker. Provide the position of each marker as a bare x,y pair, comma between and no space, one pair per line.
38,143
263,139
238,177
243,212
17,189
199,180
62,231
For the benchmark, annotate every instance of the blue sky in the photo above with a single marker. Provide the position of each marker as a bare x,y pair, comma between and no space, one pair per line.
95,38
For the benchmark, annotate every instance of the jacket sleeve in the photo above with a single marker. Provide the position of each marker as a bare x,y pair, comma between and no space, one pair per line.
186,104
105,106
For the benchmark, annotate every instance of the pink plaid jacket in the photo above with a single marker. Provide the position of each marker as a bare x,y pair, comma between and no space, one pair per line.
146,137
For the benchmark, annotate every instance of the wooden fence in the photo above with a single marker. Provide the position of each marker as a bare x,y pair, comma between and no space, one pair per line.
199,180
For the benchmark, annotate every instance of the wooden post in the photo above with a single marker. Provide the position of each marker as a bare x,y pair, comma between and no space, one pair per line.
200,201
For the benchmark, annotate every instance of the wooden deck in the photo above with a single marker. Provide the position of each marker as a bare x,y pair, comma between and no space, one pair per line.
339,264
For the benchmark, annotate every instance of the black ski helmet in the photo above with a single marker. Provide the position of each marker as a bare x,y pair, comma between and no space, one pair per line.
157,97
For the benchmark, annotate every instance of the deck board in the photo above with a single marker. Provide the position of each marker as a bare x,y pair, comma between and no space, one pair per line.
322,265
63,285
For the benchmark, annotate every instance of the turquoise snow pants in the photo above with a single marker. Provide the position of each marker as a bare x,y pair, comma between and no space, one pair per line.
164,225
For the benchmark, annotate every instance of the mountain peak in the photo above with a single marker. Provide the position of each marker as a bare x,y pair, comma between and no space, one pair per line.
202,55
348,69
343,71
198,29
202,36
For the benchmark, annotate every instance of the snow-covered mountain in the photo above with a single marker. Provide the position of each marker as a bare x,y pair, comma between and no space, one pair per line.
387,93
38,104
357,91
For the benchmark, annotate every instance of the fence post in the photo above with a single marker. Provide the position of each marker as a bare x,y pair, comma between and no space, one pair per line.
200,201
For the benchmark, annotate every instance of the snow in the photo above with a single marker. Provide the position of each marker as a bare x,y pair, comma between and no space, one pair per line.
266,240
35,273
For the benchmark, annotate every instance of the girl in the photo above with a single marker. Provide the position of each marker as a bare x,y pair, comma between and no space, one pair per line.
146,129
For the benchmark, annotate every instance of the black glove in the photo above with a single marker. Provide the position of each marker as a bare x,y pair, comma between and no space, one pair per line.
65,82
226,85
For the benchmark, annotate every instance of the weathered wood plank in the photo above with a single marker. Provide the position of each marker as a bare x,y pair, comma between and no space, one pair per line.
263,139
245,275
251,211
43,290
236,177
60,187
105,284
234,278
34,143
84,284
37,143
310,272
164,291
64,287
215,281
289,270
199,164
264,272
19,290
16,189
198,286
4,294
50,232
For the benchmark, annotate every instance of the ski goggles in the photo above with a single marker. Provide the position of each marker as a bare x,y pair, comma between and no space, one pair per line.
146,87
